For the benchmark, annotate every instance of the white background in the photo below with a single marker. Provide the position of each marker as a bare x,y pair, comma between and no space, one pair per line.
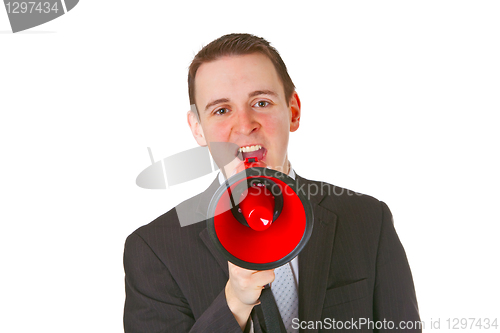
400,101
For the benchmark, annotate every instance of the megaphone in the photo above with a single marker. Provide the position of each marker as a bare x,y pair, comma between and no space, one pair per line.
258,219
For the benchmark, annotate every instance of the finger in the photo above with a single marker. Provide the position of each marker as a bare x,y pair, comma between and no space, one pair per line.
263,277
233,266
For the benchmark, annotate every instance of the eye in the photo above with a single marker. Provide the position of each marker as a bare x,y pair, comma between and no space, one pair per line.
261,104
221,111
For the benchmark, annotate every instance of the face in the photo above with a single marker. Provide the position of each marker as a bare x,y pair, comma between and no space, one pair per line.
240,99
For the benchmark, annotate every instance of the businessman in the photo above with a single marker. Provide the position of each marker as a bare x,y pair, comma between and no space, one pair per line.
352,272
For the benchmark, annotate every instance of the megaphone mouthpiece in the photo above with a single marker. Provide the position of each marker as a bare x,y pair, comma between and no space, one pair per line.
258,208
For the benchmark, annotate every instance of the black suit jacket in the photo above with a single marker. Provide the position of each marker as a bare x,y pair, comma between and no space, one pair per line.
353,268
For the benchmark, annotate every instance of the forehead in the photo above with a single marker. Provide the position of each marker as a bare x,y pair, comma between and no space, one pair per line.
235,76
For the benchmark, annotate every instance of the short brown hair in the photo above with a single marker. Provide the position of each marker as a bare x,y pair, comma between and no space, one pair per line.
239,44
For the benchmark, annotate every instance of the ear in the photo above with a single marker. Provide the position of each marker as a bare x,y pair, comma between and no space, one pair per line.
196,129
294,106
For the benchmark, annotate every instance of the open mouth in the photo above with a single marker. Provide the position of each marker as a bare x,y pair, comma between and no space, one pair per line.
256,151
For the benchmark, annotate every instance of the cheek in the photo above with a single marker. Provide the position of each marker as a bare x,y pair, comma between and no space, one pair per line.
217,132
277,127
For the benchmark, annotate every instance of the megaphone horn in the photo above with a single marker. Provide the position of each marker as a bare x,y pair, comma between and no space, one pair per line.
257,219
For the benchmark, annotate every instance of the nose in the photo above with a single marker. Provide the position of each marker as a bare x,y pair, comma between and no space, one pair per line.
246,122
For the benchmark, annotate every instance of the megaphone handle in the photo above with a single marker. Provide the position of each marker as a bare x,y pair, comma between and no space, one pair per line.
271,313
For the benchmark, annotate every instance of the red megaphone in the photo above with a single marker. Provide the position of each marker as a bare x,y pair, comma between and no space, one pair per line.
257,219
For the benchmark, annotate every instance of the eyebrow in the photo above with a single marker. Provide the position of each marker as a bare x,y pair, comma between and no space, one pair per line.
262,92
217,101
252,94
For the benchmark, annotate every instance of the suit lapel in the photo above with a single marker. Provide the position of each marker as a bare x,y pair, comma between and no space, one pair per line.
218,256
314,261
201,213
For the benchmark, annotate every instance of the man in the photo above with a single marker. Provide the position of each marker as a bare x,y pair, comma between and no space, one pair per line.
353,269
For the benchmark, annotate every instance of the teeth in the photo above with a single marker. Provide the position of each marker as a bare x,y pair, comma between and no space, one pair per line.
248,149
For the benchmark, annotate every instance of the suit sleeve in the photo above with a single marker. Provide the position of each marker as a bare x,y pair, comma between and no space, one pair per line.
394,294
155,303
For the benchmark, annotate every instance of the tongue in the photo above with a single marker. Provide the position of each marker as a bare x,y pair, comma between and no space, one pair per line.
259,154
